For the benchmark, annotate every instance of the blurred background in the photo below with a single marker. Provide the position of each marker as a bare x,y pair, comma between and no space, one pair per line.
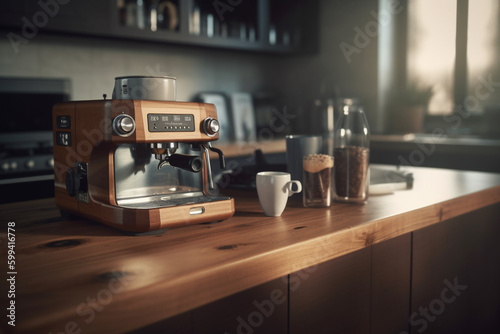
426,73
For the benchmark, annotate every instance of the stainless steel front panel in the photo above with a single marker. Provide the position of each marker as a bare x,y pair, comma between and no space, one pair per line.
137,176
162,201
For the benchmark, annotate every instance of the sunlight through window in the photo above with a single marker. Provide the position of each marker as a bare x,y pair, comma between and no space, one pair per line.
431,49
482,36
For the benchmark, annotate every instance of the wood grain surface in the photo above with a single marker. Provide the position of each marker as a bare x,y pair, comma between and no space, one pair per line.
83,275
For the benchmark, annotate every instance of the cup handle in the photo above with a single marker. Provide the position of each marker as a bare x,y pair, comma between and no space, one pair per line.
289,186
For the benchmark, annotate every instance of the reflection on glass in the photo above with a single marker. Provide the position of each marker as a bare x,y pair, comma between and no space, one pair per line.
431,49
482,50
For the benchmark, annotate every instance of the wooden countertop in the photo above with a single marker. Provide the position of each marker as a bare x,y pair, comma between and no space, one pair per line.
63,267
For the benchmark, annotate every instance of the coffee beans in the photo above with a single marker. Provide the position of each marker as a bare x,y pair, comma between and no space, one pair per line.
351,173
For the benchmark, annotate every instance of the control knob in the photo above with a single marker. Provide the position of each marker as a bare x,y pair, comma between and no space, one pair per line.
123,125
211,126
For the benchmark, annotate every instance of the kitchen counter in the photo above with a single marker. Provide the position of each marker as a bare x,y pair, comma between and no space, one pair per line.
427,150
63,265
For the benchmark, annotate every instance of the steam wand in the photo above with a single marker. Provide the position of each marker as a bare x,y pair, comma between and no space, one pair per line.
222,162
209,168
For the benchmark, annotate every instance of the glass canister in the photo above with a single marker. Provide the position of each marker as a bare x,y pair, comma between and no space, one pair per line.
352,154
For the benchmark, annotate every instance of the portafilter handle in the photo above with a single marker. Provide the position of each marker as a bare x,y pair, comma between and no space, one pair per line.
190,163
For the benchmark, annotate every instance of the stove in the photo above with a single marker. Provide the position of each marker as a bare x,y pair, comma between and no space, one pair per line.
26,155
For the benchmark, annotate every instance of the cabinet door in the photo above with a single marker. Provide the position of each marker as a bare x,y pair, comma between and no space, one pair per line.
28,17
456,275
262,309
333,297
390,289
179,324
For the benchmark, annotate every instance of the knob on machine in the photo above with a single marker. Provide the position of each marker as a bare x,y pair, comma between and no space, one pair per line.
211,126
76,180
123,125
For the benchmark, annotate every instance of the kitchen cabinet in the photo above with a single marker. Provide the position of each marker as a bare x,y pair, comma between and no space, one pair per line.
440,279
333,297
363,292
390,285
455,275
273,26
261,309
27,18
426,150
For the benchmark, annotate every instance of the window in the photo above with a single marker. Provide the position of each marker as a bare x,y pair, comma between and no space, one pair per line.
453,45
482,51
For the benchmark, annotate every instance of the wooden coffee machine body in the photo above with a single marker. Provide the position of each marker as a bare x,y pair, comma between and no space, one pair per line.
85,138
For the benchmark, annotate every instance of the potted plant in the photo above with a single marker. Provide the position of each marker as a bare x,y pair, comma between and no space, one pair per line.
409,106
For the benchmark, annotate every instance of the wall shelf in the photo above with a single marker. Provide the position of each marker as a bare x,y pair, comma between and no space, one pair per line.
269,26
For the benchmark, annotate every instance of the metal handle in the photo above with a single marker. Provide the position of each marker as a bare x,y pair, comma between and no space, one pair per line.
209,168
190,163
222,161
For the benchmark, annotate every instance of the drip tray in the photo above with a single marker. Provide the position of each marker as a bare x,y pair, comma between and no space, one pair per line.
163,201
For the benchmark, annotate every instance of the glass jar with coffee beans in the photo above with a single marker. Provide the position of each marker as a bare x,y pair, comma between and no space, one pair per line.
352,154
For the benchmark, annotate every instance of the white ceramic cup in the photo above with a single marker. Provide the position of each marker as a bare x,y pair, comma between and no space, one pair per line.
273,189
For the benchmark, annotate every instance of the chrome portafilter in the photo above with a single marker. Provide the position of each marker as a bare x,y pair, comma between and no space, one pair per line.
165,154
162,151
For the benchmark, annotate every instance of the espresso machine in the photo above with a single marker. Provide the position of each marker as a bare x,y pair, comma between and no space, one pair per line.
139,162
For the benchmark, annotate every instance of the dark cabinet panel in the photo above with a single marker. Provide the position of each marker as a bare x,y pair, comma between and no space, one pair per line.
390,289
364,292
27,17
333,297
456,275
262,309
180,324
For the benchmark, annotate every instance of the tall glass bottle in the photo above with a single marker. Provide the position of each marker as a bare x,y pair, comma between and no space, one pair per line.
352,154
